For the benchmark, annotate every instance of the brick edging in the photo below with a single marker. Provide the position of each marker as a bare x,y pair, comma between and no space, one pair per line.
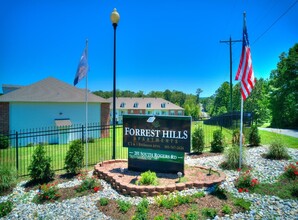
135,190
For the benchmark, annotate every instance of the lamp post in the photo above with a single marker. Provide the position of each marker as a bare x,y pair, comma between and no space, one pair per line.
115,19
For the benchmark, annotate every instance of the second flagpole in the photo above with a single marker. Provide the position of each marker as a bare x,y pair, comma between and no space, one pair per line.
86,102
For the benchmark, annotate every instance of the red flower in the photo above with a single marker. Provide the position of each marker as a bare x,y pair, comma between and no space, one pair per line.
240,190
96,188
246,190
47,197
239,169
296,173
297,162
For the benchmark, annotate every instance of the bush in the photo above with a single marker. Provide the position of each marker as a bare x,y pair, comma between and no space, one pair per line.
244,204
123,206
277,151
40,167
291,171
226,209
218,144
8,178
209,212
198,140
148,178
74,157
48,192
88,183
142,210
231,156
254,137
103,201
4,141
5,208
294,190
245,182
236,137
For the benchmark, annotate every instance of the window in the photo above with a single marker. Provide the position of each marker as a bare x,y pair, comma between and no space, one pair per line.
179,112
136,105
141,112
172,112
148,112
163,105
149,105
131,111
122,105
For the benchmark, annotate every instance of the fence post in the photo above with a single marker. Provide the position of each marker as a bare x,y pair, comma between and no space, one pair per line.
17,151
82,134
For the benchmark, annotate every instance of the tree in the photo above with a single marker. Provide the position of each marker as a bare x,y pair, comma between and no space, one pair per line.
199,91
221,103
283,90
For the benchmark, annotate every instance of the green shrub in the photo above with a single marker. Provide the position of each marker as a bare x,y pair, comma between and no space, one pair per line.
40,167
8,178
218,144
231,157
175,216
226,209
5,208
142,210
245,181
294,190
209,212
103,201
277,150
123,206
88,183
148,178
198,140
236,137
291,171
254,137
48,192
74,157
192,214
242,203
159,217
4,141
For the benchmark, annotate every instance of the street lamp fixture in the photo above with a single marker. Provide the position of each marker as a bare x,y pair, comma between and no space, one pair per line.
115,19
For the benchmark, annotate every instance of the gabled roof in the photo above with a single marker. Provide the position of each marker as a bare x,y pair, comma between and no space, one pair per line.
156,103
50,90
9,88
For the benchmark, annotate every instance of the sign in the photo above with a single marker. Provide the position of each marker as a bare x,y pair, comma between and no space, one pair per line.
158,132
156,143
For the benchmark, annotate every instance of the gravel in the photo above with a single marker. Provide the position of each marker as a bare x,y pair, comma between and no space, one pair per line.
263,207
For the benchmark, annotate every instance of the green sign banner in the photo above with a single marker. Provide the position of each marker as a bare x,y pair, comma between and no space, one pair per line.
153,155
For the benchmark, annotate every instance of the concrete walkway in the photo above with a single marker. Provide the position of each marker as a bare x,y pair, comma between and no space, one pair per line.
289,132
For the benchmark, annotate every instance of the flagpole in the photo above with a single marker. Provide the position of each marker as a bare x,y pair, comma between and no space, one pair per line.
241,127
86,102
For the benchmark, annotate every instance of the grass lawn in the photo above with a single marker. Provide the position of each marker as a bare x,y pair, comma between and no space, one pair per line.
101,149
268,137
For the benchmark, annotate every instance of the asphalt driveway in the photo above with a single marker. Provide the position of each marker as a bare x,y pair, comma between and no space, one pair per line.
289,132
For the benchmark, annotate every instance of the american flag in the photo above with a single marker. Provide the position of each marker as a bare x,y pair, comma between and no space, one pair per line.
245,71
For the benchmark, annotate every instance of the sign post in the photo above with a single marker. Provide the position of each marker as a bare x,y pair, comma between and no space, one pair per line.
156,143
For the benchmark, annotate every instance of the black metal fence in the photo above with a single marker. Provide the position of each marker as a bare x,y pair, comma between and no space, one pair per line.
56,142
231,120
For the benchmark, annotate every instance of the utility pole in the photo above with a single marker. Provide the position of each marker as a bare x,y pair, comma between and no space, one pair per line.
231,72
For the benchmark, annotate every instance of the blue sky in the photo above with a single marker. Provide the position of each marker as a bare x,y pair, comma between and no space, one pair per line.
161,45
